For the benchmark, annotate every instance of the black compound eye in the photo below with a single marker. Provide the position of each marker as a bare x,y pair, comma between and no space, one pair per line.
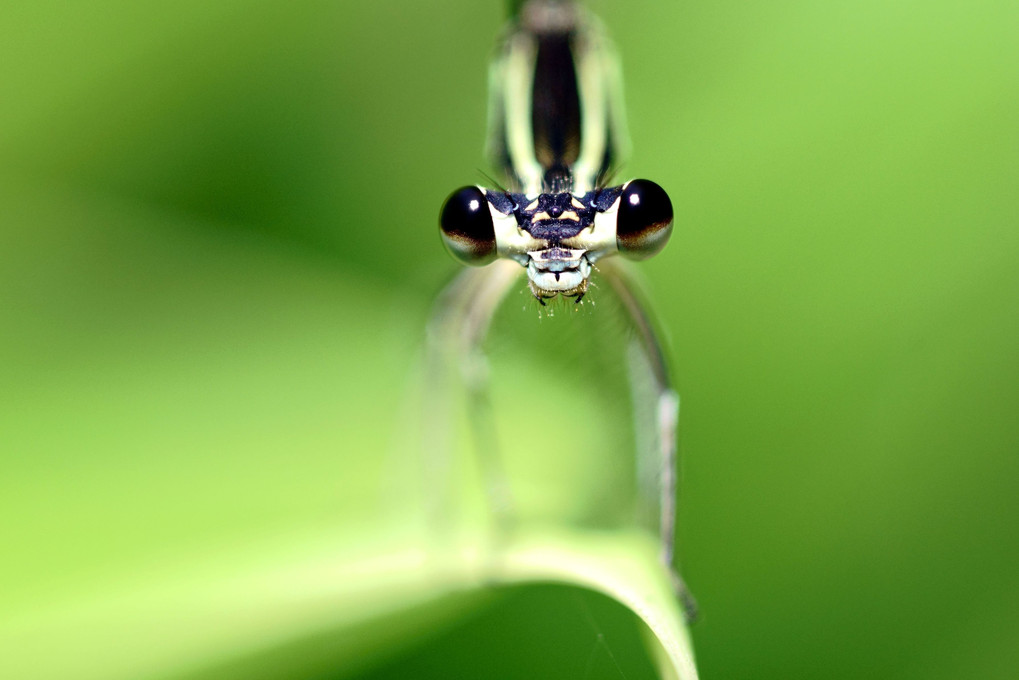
467,228
644,220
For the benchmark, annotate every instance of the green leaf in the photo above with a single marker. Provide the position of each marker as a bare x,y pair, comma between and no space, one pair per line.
252,613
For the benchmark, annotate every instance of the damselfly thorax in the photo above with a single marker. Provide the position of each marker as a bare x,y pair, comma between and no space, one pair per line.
556,131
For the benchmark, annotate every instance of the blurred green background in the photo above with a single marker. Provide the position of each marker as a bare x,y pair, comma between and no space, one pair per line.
218,250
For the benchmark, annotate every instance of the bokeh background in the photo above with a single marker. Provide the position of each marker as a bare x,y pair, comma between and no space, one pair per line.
218,251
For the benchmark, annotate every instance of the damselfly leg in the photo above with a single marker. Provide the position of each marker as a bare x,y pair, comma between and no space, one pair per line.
456,334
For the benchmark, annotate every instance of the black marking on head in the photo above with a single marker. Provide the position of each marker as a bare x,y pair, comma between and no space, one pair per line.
501,201
603,199
552,218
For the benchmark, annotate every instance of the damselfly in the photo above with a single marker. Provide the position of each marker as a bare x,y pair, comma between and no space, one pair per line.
556,131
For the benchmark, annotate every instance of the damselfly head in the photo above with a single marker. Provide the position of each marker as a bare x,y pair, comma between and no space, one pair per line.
557,237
